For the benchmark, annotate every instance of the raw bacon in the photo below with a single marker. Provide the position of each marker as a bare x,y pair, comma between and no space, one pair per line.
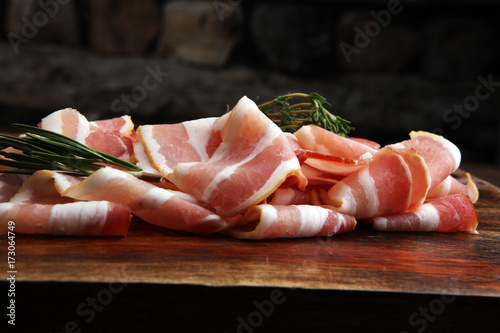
452,186
155,205
384,186
241,176
101,218
252,161
447,214
291,221
168,145
113,136
441,156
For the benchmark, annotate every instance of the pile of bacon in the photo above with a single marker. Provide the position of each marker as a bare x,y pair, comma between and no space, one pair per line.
241,175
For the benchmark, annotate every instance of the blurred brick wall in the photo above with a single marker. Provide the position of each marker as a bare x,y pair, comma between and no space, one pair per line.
388,66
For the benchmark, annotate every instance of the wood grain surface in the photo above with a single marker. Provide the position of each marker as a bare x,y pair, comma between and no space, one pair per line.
362,260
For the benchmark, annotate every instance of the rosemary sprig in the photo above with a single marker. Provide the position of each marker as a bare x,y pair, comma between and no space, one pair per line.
46,150
290,117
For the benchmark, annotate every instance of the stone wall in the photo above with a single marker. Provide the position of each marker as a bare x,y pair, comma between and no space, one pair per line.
388,66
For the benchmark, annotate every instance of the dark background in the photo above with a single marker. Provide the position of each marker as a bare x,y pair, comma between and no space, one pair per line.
413,65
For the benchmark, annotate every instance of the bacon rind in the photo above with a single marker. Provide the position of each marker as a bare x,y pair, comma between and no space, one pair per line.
290,221
447,214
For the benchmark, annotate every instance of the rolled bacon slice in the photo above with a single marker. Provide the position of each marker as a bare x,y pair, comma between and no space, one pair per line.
384,186
155,205
253,160
452,186
112,136
332,153
100,218
170,144
447,214
441,156
291,221
322,141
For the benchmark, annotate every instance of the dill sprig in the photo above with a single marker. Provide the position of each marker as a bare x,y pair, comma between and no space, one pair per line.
41,149
290,117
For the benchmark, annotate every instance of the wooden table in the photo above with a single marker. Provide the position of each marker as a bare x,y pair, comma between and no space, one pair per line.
362,281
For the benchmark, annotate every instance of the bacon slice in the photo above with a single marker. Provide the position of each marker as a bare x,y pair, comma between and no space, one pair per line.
155,205
170,144
290,195
322,141
112,136
447,214
252,161
77,218
384,186
41,188
420,177
9,185
452,186
441,156
291,221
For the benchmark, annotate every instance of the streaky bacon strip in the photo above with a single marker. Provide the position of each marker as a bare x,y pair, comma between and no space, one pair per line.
452,186
252,161
420,177
170,144
441,156
290,221
112,136
447,214
101,218
384,186
155,205
322,141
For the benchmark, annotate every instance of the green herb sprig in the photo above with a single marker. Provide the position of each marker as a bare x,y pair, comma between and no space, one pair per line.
290,117
42,149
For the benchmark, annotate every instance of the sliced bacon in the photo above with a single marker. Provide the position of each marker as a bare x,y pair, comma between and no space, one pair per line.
41,188
366,142
319,177
290,195
291,221
77,218
170,144
447,214
322,141
112,136
420,177
384,186
333,165
452,186
252,161
441,156
155,205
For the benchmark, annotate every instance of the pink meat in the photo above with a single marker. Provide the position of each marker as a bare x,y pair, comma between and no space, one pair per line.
100,218
291,221
441,156
253,160
112,136
155,205
452,186
447,214
384,186
170,144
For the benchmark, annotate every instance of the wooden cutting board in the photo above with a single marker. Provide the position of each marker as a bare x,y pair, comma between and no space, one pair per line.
363,260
